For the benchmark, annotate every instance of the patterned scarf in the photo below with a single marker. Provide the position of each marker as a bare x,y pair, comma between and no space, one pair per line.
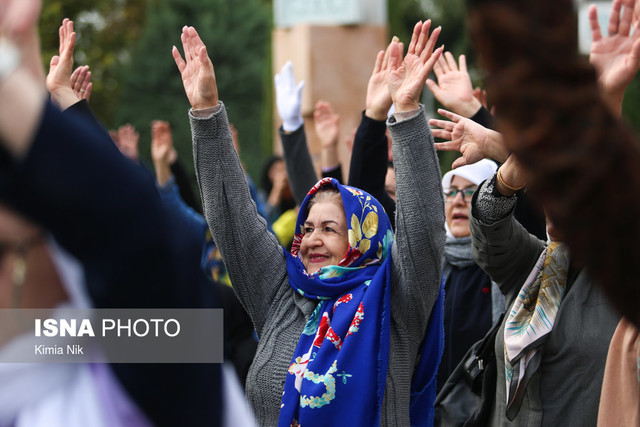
338,371
531,319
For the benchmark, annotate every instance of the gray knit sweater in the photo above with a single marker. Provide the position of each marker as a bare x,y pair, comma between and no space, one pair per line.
257,266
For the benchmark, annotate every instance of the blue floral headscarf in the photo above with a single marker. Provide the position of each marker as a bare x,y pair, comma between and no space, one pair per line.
338,370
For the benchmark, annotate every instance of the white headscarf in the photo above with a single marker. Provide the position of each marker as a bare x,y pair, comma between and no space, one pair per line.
476,173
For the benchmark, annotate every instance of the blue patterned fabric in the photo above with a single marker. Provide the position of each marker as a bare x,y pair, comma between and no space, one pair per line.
338,371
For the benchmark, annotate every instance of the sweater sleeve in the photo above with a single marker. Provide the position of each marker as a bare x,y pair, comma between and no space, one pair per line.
302,175
369,161
420,235
254,259
501,246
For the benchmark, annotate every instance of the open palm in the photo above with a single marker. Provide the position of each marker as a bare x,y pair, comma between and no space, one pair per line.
406,78
196,69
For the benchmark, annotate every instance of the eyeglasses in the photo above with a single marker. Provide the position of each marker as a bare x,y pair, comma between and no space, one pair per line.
451,193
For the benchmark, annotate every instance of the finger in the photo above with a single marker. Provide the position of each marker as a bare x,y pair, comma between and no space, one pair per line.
460,161
428,51
596,34
446,146
614,19
178,58
443,124
395,56
451,61
75,78
87,80
433,87
424,37
463,64
627,15
87,93
428,66
449,115
55,59
441,133
385,61
377,67
299,88
438,68
184,37
61,37
414,38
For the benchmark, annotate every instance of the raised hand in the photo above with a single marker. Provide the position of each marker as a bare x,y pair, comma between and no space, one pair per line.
406,78
473,140
378,98
615,57
454,89
58,80
127,141
327,123
161,150
81,82
289,98
196,69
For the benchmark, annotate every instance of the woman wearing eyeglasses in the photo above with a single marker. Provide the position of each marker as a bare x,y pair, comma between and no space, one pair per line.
472,303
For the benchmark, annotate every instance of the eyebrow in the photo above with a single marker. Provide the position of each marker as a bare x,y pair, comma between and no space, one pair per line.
323,222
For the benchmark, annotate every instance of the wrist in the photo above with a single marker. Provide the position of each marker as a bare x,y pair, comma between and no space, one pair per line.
468,108
291,124
406,107
376,114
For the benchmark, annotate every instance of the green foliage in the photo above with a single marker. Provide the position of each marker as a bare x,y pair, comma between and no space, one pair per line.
237,37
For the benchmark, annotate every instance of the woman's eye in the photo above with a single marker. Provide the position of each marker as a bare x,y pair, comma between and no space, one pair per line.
328,229
308,230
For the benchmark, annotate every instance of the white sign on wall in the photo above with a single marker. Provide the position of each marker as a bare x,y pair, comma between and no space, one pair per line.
288,13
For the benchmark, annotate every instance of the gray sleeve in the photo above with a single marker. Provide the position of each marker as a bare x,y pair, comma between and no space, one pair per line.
420,235
252,255
501,246
302,175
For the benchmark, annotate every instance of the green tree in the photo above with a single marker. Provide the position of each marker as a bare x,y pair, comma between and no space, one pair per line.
237,37
105,30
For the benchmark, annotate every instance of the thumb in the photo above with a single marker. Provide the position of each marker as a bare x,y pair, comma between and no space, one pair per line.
460,161
54,61
299,88
433,86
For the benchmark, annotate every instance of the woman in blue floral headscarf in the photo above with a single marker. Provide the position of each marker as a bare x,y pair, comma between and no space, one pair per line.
342,319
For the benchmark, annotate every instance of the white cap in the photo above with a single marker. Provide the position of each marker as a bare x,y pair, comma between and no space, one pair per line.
475,173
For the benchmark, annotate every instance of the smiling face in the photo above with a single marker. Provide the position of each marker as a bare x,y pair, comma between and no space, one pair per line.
457,209
325,240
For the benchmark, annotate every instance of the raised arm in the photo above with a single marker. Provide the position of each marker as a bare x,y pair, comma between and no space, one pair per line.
616,57
241,235
369,157
59,78
302,175
327,125
418,247
502,247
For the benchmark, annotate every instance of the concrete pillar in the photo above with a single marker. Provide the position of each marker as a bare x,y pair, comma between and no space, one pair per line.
335,61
